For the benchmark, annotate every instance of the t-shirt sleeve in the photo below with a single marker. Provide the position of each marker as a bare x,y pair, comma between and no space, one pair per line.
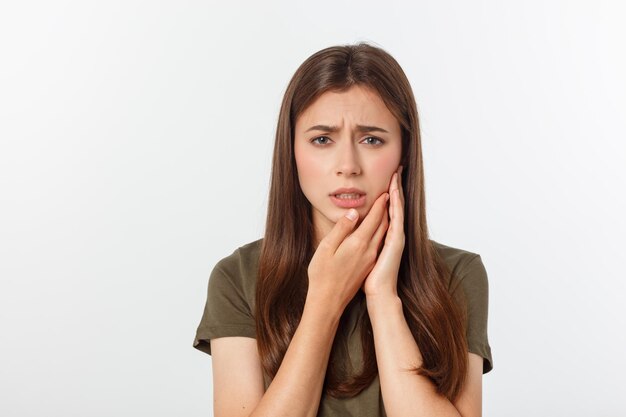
473,291
227,311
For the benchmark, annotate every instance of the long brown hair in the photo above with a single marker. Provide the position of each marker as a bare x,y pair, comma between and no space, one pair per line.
435,320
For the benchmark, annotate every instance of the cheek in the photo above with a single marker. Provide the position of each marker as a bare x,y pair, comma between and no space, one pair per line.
308,169
386,168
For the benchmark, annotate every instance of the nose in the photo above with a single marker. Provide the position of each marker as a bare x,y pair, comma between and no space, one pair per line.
347,159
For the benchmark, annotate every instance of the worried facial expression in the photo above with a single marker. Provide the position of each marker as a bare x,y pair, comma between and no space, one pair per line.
345,140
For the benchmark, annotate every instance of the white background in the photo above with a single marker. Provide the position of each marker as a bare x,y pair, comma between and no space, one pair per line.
136,139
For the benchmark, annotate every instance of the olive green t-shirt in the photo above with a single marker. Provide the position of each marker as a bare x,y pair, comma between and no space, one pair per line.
230,302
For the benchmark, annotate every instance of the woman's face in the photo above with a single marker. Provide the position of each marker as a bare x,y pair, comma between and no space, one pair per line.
345,140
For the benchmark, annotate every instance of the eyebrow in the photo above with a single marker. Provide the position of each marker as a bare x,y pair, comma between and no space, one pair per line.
360,128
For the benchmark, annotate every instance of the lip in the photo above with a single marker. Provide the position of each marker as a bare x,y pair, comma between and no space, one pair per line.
351,190
350,202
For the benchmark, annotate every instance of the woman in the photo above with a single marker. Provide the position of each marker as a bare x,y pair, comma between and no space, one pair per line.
346,307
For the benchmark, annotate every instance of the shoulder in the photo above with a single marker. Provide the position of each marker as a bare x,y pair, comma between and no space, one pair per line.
244,258
238,271
229,307
469,287
466,267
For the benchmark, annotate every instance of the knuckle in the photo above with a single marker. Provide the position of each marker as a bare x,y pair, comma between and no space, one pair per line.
349,244
358,243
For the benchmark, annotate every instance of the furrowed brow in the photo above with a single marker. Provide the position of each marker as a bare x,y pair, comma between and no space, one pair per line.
360,128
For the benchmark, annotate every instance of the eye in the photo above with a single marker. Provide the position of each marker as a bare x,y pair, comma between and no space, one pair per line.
380,141
324,139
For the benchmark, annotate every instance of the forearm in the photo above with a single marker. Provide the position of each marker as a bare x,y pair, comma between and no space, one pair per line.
404,393
297,387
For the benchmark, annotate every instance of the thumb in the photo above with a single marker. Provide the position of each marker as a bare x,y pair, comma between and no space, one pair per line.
341,229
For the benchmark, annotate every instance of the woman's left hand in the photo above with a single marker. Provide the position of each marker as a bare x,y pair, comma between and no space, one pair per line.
383,279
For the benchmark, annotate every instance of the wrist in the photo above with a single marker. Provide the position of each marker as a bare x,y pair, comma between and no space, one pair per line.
383,302
322,309
382,296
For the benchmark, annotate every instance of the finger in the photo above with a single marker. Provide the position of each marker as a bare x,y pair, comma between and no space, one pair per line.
392,186
340,230
400,185
391,207
380,232
395,231
398,210
370,223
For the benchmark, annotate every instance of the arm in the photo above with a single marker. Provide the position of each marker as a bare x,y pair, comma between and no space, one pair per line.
405,393
336,271
295,390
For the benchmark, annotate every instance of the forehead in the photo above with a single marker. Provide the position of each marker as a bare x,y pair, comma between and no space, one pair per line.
359,105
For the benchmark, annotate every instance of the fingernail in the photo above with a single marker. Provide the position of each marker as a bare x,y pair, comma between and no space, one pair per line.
351,214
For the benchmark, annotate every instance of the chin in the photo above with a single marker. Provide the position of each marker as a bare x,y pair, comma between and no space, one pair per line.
334,214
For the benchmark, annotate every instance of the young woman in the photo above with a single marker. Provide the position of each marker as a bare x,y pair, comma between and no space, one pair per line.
346,307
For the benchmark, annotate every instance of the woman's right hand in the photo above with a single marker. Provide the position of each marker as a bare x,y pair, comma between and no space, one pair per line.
341,263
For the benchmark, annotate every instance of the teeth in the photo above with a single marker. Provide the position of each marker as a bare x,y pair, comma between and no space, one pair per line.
348,196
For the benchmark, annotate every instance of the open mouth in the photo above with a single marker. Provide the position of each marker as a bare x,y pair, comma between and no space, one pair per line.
348,200
348,196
